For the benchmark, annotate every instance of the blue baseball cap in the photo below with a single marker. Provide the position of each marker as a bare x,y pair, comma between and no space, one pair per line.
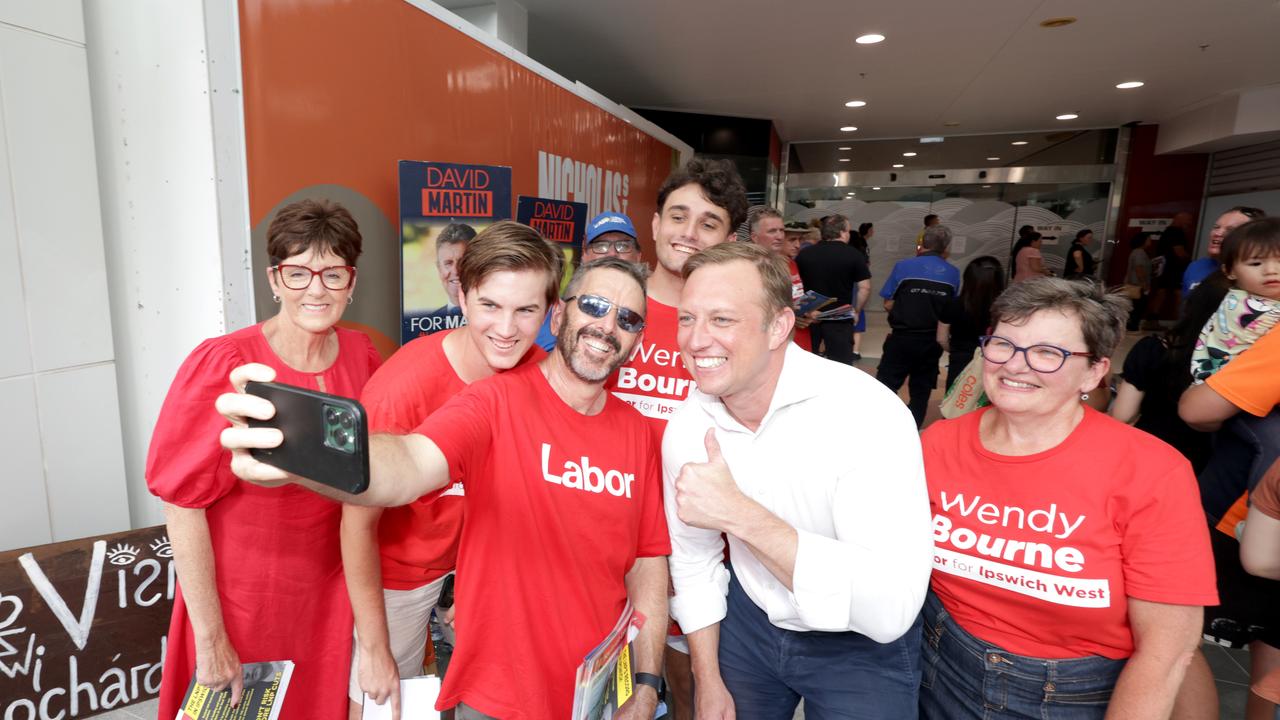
610,222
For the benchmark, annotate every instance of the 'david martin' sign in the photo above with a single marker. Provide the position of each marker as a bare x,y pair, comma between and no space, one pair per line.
560,221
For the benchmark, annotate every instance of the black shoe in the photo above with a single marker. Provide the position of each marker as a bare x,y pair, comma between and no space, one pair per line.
857,357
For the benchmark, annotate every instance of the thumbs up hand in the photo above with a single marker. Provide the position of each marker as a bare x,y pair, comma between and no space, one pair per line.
706,494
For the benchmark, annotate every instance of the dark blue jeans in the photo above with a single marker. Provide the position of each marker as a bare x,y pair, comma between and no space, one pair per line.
965,677
839,674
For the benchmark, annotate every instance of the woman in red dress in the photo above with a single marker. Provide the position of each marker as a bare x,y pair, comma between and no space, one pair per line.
259,569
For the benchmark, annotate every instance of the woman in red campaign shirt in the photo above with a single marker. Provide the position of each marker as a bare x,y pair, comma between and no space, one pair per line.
1071,558
259,569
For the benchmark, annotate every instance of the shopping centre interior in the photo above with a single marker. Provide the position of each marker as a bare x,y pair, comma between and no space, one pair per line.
147,145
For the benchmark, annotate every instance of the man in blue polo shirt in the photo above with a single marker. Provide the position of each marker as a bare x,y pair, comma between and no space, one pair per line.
914,295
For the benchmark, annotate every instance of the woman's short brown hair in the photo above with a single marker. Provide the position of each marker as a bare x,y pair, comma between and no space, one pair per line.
320,225
509,245
1102,314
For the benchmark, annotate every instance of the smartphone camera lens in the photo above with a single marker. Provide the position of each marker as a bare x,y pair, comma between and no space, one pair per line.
339,429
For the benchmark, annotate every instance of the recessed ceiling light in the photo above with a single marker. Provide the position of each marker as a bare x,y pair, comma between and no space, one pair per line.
1129,85
993,158
875,188
846,147
844,159
898,165
908,154
848,128
1068,116
951,123
869,39
856,103
1056,22
1018,142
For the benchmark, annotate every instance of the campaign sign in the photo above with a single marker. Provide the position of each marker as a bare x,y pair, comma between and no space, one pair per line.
83,624
442,206
560,221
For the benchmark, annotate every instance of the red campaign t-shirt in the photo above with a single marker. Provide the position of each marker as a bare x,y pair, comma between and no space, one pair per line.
559,507
654,380
418,541
797,290
1038,554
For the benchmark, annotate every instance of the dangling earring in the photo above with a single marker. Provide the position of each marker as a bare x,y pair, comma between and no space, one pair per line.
1084,396
275,298
351,299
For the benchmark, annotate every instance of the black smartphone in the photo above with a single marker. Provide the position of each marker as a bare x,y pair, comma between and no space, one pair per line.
326,437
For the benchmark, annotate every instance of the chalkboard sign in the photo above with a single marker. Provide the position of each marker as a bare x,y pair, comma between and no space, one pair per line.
83,624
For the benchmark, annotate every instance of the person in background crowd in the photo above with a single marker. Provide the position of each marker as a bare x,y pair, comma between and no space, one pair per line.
397,560
1204,267
1098,612
699,205
1251,384
1260,555
1156,373
1138,277
1079,261
836,270
598,544
1173,254
796,232
1026,259
929,221
867,231
609,234
806,530
915,294
858,241
768,231
245,591
967,317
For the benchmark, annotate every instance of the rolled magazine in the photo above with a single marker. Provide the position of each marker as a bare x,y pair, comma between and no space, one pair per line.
606,679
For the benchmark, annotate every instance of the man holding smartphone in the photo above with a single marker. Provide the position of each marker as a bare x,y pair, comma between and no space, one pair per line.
398,560
564,516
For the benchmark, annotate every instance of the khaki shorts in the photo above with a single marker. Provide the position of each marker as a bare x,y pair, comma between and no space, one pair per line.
408,622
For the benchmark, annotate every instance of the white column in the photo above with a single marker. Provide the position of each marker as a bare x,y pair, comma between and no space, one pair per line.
171,172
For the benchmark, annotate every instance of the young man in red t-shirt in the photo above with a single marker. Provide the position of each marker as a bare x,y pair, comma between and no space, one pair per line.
564,511
699,205
769,232
396,560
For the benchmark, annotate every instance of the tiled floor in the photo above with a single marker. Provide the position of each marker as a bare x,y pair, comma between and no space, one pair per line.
1230,667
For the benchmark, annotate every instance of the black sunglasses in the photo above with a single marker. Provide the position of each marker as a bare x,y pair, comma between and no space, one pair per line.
598,307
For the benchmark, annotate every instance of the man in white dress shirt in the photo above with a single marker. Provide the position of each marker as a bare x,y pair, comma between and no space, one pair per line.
825,511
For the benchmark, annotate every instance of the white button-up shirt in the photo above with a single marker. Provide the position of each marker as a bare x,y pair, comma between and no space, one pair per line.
837,457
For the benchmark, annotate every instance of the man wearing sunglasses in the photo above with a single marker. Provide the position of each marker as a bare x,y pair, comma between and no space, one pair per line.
564,506
829,549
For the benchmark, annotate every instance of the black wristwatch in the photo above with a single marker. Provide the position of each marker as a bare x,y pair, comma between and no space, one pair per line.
651,680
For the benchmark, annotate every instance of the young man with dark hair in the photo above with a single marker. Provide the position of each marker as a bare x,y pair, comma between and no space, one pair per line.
699,205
